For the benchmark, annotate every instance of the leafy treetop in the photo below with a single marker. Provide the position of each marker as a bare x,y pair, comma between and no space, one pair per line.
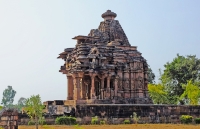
8,96
34,109
178,72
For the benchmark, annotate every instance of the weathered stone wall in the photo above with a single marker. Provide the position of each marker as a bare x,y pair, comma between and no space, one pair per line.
9,118
148,113
24,119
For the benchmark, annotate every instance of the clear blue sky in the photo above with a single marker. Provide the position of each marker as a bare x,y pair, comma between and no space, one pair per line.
33,33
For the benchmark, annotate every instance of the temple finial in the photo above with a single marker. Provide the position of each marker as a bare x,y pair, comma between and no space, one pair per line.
109,15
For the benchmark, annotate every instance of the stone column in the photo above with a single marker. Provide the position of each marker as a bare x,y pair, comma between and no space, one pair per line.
86,91
92,92
116,85
102,88
75,89
108,82
108,86
70,87
81,88
78,88
102,85
81,74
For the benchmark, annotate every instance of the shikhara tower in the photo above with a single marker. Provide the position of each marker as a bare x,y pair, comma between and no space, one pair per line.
103,67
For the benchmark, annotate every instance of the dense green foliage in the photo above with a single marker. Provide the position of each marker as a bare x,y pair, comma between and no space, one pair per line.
65,120
191,93
197,120
179,82
8,96
102,122
177,73
41,122
186,119
157,93
151,75
127,122
31,123
34,109
94,120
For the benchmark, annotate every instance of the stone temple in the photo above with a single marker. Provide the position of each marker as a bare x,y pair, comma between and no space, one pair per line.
103,68
107,78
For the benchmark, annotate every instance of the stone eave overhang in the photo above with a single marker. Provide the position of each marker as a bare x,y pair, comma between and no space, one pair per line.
81,37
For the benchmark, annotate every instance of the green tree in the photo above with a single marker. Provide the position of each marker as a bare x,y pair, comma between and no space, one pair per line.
8,96
151,75
21,103
191,93
34,109
178,72
158,94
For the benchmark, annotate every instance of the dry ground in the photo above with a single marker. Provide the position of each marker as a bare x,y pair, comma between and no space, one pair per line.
131,126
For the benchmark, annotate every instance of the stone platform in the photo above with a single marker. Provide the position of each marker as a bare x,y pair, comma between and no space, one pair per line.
149,113
143,110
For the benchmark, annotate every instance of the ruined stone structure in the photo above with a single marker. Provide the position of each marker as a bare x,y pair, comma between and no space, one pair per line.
107,77
9,118
104,68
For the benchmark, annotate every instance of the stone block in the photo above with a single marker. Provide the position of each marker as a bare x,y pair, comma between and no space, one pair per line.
15,117
4,118
3,123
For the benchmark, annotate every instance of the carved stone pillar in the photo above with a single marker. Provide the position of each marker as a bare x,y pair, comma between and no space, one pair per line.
75,81
116,85
81,74
75,89
108,82
70,87
102,88
102,85
108,87
92,91
81,88
78,88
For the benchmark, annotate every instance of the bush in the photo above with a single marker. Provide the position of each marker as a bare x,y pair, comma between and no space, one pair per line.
135,118
197,120
102,122
42,121
127,122
31,123
94,120
64,120
186,119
